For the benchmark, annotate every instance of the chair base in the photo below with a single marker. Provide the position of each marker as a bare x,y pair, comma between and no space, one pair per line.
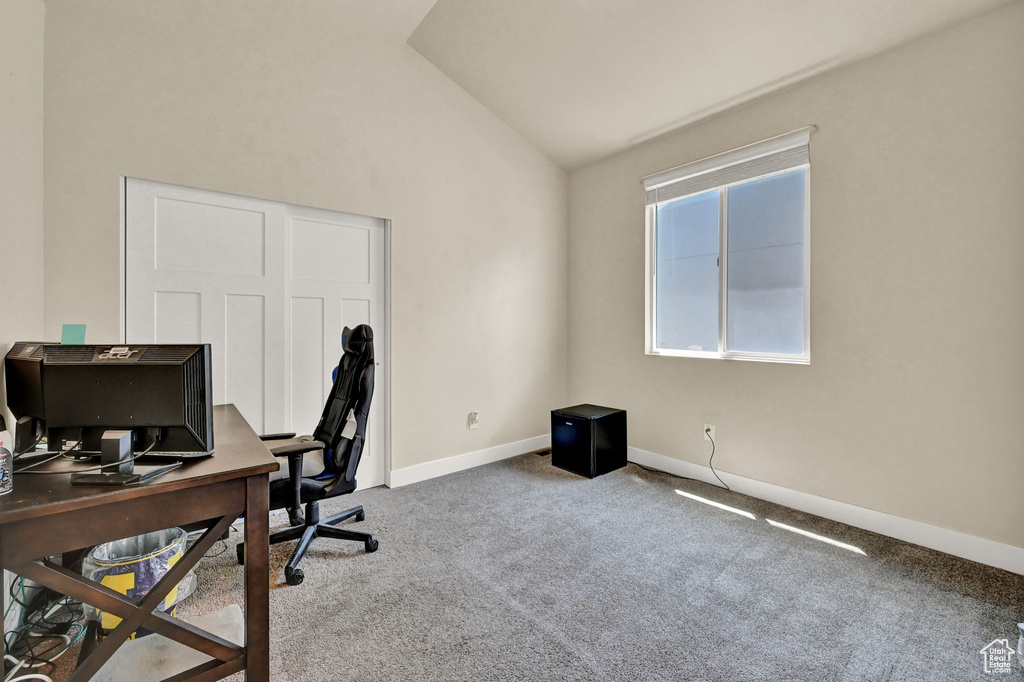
311,527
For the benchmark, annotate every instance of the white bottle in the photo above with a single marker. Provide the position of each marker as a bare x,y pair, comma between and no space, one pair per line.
6,459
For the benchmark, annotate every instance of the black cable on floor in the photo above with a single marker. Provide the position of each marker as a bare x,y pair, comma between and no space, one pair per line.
724,486
666,473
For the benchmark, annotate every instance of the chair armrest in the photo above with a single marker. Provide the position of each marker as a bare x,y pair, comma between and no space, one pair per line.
277,436
293,448
294,452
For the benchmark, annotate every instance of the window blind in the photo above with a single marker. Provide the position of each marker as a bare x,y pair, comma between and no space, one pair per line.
772,156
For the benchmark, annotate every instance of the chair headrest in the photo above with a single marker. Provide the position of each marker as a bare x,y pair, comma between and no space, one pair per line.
357,340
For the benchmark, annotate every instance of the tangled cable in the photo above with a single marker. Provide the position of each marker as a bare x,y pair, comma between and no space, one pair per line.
49,629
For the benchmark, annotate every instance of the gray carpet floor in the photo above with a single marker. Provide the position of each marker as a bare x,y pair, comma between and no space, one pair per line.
520,571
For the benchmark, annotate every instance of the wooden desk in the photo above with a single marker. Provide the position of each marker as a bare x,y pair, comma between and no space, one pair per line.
46,515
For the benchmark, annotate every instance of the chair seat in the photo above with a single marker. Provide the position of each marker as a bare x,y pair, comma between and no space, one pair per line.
281,492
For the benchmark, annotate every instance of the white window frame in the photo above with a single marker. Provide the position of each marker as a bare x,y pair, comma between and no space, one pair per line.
712,163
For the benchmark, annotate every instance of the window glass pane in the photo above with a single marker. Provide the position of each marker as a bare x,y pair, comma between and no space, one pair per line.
687,273
765,289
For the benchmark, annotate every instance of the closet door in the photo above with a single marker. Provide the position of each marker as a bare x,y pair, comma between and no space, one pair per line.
335,280
269,286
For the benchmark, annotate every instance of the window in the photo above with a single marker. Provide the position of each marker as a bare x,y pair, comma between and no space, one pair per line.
727,254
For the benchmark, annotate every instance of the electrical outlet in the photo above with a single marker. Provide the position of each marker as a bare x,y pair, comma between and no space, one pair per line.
474,420
708,427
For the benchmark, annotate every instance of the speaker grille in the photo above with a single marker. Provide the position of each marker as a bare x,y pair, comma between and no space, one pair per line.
59,355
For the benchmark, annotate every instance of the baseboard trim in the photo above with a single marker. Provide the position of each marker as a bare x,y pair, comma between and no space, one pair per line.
989,552
468,460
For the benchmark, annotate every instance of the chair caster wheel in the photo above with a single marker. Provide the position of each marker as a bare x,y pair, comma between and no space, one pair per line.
371,545
240,553
361,516
294,577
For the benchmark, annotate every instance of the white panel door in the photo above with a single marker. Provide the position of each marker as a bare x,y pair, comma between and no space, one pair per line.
269,286
336,280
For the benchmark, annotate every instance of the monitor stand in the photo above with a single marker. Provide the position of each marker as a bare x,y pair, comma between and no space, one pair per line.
25,431
116,455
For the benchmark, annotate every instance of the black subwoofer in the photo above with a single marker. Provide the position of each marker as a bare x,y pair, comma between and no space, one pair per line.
588,440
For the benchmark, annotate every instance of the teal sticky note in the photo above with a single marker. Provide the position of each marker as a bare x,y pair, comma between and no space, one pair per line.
73,335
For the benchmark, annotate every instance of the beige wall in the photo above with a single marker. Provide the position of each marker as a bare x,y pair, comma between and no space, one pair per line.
321,104
913,401
21,174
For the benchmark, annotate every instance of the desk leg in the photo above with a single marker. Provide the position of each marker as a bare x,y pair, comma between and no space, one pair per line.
3,629
257,578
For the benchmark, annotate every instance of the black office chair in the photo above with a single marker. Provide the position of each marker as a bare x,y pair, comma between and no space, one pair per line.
339,437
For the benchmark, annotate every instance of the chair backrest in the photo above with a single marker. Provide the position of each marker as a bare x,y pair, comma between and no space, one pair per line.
349,400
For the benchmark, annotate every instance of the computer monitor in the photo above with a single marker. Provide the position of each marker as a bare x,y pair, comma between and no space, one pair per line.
156,391
23,378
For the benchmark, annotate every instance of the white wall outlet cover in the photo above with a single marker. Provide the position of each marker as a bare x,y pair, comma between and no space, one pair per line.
474,420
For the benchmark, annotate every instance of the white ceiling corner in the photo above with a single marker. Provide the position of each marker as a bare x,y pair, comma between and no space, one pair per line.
583,79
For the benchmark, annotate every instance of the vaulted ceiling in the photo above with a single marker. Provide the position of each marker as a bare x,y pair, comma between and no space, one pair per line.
583,79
